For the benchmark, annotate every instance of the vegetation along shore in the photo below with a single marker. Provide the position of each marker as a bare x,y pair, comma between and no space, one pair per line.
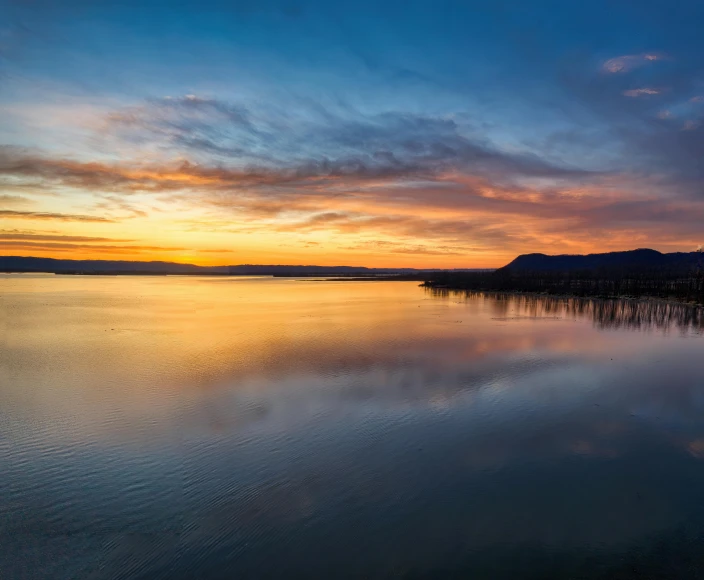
634,274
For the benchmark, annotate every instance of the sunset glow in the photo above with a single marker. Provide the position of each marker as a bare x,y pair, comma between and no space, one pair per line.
300,133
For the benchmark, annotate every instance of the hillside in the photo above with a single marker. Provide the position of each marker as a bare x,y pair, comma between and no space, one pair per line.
636,273
633,260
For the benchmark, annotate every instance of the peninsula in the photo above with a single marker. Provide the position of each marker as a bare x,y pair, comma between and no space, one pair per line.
636,273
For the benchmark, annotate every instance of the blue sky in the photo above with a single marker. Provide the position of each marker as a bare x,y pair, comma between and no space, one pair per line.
437,133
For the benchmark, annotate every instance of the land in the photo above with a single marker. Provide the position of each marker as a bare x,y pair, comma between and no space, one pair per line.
30,264
639,273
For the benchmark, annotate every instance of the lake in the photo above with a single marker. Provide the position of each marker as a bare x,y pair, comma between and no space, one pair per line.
221,428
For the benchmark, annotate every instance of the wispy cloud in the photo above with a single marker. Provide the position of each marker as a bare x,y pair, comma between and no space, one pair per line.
642,92
404,248
40,215
21,236
6,200
691,125
628,62
459,210
316,141
127,249
384,133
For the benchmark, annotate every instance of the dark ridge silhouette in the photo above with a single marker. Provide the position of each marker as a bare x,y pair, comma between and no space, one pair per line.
57,266
632,259
60,266
638,273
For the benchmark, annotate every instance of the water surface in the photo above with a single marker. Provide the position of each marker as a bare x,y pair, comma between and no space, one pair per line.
182,427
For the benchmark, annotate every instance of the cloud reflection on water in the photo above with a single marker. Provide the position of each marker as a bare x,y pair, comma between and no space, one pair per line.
253,418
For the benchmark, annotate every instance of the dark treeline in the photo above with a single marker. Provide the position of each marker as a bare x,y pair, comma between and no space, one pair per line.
664,283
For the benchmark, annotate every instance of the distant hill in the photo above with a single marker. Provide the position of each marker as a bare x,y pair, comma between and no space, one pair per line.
57,266
54,266
633,274
641,259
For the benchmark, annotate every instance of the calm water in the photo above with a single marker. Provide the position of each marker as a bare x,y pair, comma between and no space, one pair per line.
175,427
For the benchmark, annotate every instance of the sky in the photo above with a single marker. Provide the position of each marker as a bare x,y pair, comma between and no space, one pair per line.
452,134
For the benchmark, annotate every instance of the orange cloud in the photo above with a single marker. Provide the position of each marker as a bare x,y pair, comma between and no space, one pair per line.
453,219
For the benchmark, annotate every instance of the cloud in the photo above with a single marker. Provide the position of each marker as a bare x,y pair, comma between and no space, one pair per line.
629,62
189,122
11,235
690,125
457,209
642,92
17,163
401,248
370,171
40,215
316,141
92,247
420,155
642,136
429,181
14,200
541,148
468,233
